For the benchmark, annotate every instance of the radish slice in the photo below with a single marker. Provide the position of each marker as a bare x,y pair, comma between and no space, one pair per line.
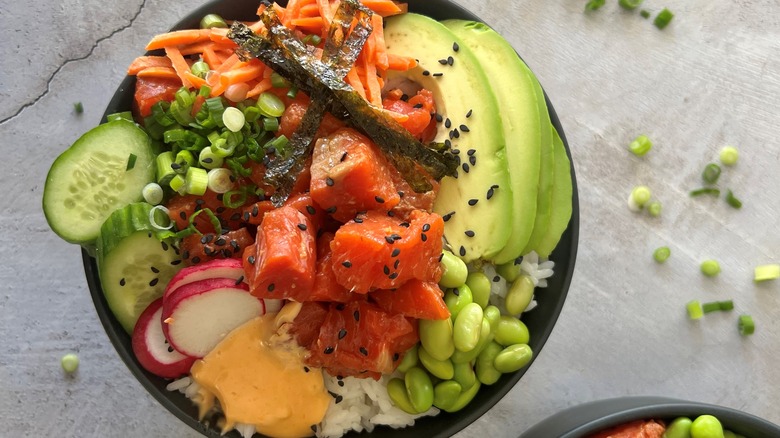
216,268
152,349
196,316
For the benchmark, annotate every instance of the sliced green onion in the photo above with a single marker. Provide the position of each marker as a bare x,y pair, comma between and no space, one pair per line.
220,180
729,155
70,363
278,144
270,105
204,91
732,200
292,92
746,325
234,198
196,181
233,119
178,184
174,135
766,272
710,268
710,307
726,305
592,5
270,124
705,191
212,20
124,115
215,108
278,81
160,114
209,160
639,196
662,254
200,69
153,215
641,145
630,4
663,18
312,39
78,107
694,309
654,209
212,218
164,170
711,173
131,161
251,114
644,13
183,161
152,193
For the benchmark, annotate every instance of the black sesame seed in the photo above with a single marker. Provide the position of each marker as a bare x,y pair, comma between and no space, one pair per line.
208,251
185,254
404,97
328,350
122,282
389,239
438,117
226,253
448,123
155,270
340,306
426,227
397,262
154,282
455,47
443,61
391,213
363,351
251,260
456,292
239,280
393,276
170,349
469,233
426,73
396,356
164,246
176,262
465,167
455,151
496,279
175,166
220,242
379,199
346,264
183,215
423,237
302,227
441,256
450,60
395,252
221,210
405,225
310,209
356,315
342,333
471,152
343,157
358,220
448,144
271,287
306,369
447,216
494,186
400,194
255,210
340,383
473,202
195,260
438,74
462,251
455,133
473,160
418,105
329,182
246,216
331,210
206,238
235,245
386,270
235,216
468,114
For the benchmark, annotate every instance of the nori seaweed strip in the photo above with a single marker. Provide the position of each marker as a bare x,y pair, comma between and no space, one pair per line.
341,50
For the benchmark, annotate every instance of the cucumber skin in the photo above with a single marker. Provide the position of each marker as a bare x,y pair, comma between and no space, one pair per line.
85,233
122,224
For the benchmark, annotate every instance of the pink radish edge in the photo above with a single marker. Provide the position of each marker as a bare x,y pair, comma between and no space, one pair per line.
151,349
216,268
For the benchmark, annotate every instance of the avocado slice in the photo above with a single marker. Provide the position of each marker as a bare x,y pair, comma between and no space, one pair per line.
560,205
526,124
477,205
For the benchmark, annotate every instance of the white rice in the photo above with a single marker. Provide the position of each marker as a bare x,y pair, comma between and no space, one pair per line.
531,265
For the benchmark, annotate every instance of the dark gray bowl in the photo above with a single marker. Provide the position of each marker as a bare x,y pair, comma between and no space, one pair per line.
583,420
540,321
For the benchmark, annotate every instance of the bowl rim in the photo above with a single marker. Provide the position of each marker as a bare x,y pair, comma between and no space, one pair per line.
156,386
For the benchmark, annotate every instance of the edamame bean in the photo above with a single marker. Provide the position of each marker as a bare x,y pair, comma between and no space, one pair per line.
519,295
509,270
486,372
409,360
464,398
446,393
706,426
436,337
454,270
512,358
679,428
729,434
467,327
396,389
479,284
419,388
442,369
485,337
493,315
456,299
510,331
464,374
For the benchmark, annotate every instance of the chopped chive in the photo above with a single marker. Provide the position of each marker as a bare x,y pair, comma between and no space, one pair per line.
641,145
710,268
732,200
726,305
639,196
663,18
630,4
592,5
746,325
694,309
662,254
78,107
729,155
644,13
766,272
654,209
711,173
705,191
710,307
131,162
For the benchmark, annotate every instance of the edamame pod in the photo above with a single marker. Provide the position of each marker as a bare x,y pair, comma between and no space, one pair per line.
479,284
485,337
456,299
511,331
486,372
446,393
519,295
493,315
467,327
436,337
464,374
464,398
442,369
679,428
409,360
512,358
419,389
509,270
454,270
396,389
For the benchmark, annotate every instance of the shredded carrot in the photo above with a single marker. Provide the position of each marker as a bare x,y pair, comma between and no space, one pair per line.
353,79
211,58
196,81
144,62
373,89
400,118
261,87
380,50
158,72
400,63
219,35
179,64
325,11
248,72
310,10
312,24
385,8
228,63
178,37
293,6
200,47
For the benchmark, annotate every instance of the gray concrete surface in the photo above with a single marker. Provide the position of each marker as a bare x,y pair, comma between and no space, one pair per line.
711,78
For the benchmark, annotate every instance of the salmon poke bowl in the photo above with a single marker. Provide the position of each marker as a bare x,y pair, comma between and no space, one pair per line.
324,218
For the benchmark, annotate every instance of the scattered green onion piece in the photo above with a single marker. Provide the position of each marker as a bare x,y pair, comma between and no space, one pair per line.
654,209
662,254
639,196
710,307
184,160
164,170
124,115
160,114
174,135
251,114
726,305
209,160
131,162
78,107
710,268
705,191
312,39
278,81
729,155
163,214
215,108
184,97
222,148
200,69
732,200
592,5
292,92
630,4
196,181
270,124
152,193
694,309
70,363
233,119
279,144
220,180
178,184
270,105
644,13
212,218
212,20
766,272
663,18
234,198
711,173
746,325
641,145
204,91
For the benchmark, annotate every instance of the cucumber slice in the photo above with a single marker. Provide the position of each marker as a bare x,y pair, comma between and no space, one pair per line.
134,266
90,179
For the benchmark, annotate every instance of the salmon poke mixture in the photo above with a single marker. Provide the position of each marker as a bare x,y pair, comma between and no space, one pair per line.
703,426
327,219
